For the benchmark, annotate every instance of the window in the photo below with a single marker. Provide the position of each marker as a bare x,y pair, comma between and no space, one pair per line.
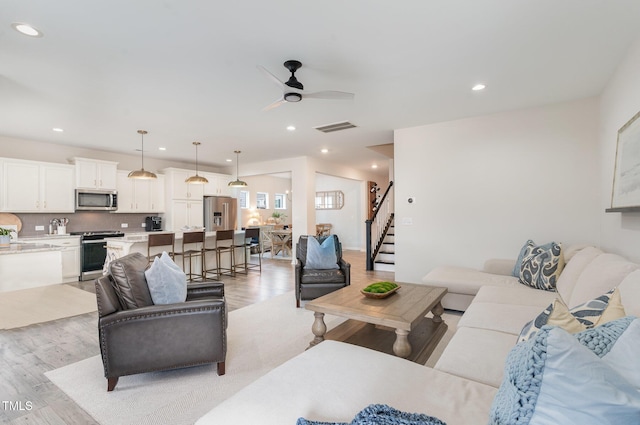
244,199
329,200
280,201
262,200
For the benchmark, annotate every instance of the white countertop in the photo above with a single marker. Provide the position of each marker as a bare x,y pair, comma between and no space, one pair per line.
22,248
143,236
47,236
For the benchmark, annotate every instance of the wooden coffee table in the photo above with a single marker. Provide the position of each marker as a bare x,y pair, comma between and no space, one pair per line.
372,322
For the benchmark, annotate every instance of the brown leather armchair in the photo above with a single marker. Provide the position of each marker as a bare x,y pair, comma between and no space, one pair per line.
312,283
137,336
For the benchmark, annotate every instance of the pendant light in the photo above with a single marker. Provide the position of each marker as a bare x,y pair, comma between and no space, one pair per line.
237,182
196,179
142,173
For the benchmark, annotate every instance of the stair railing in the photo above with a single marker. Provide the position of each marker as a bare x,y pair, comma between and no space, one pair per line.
378,226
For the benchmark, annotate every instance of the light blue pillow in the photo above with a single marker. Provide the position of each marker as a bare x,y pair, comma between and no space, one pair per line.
555,378
166,281
321,257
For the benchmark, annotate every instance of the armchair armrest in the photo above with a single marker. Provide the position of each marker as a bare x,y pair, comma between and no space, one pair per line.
205,290
346,269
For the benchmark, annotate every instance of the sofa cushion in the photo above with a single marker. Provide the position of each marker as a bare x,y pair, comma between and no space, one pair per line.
543,375
321,256
573,269
541,265
507,318
166,281
630,293
322,276
463,280
335,380
517,295
129,281
477,354
602,274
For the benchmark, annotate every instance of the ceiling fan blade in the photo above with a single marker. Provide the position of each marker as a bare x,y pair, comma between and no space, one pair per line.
271,77
274,104
328,94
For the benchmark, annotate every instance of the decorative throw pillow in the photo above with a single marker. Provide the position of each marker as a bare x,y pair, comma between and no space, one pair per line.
167,282
321,257
593,313
554,378
541,267
523,250
381,414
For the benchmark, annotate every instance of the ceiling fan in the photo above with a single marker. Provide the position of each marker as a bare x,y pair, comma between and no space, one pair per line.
289,95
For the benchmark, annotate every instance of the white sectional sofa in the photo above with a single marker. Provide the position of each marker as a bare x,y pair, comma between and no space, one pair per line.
333,381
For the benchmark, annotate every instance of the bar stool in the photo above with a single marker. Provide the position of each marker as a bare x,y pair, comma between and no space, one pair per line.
161,239
190,238
251,240
223,243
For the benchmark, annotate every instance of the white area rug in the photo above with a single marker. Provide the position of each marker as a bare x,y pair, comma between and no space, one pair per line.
259,338
36,305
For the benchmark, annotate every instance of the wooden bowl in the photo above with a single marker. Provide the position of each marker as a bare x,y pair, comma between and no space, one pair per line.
379,296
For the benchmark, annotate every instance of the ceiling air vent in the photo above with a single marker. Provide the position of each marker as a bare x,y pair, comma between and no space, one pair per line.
344,125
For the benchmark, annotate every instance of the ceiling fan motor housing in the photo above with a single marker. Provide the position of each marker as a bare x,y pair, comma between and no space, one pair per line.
292,97
293,66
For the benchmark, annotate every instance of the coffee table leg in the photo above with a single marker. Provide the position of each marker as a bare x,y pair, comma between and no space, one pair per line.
437,313
401,346
318,328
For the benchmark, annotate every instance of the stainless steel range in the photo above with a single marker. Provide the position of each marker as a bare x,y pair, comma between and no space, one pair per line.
93,251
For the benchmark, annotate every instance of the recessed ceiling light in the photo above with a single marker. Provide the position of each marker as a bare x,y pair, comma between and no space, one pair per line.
162,148
374,166
26,29
57,130
324,150
229,160
291,128
478,87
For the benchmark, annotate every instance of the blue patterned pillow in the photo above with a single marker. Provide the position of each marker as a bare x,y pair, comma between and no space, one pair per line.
557,378
600,310
321,257
541,266
381,414
516,268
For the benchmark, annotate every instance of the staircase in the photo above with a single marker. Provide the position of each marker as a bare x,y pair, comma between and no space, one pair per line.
385,261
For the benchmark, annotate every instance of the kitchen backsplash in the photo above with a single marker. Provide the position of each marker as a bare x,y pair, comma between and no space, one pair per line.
82,222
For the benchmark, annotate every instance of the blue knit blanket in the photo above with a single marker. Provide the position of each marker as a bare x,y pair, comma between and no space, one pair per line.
381,414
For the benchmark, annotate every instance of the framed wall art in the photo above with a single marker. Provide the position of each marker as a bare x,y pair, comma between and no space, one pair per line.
625,194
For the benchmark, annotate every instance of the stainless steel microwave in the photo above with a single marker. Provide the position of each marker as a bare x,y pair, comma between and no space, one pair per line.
96,200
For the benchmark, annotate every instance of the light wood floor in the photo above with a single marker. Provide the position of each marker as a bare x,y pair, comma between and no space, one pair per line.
27,353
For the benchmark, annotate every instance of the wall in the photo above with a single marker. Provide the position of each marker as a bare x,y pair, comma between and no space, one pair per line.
347,222
485,185
270,185
620,101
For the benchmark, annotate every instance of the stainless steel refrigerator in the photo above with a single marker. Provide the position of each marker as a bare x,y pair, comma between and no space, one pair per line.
220,213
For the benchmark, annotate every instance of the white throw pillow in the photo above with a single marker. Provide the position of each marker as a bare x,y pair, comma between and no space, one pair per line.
166,281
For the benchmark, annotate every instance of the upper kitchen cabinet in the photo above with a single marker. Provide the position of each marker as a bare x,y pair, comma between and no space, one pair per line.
95,174
32,186
218,184
140,195
177,188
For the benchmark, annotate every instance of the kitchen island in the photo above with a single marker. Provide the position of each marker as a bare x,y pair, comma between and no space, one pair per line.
137,242
29,265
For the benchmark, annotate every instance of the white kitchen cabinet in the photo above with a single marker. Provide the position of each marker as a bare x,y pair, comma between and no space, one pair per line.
139,195
95,174
183,213
70,254
177,188
32,186
218,184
